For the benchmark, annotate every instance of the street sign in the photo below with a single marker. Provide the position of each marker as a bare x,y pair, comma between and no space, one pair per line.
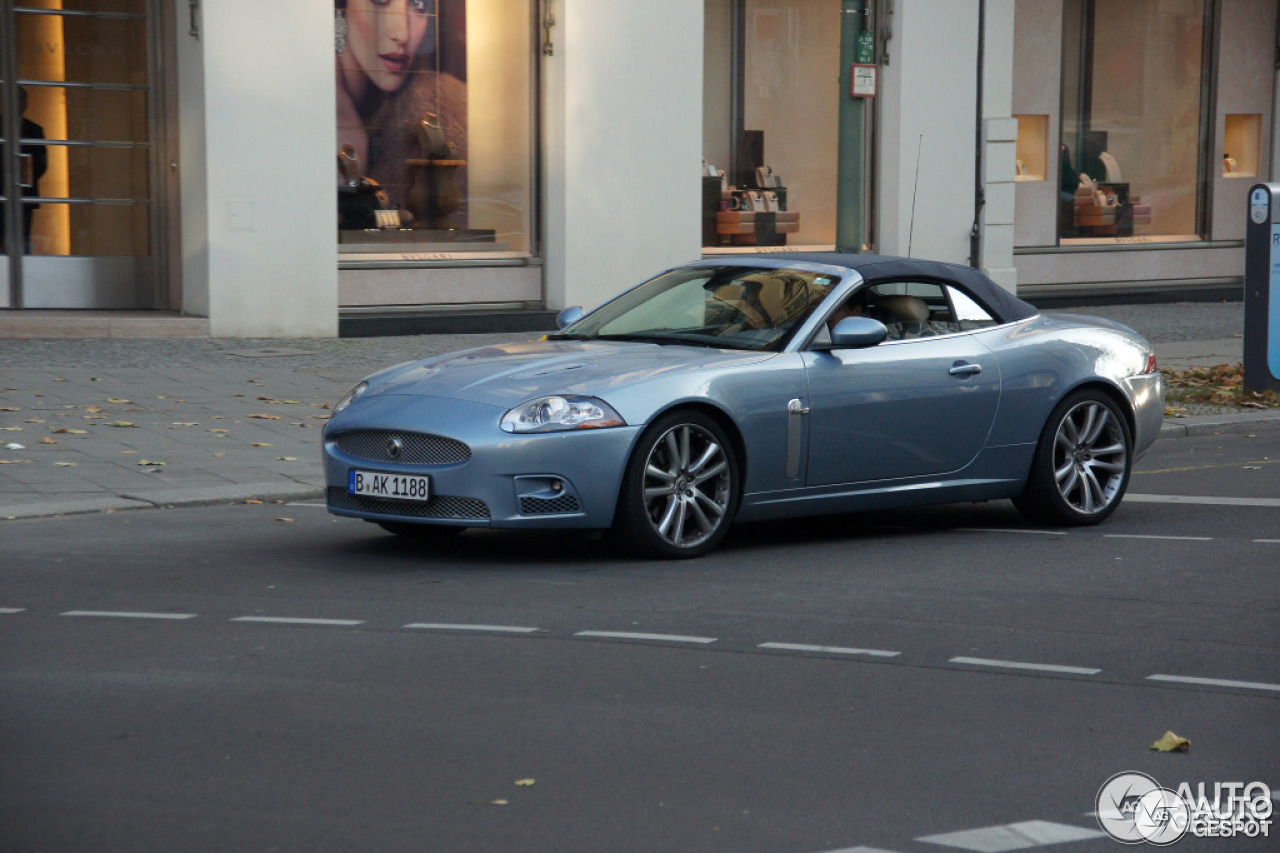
865,48
1262,290
862,81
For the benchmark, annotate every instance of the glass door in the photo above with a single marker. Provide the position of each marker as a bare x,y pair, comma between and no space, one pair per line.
79,170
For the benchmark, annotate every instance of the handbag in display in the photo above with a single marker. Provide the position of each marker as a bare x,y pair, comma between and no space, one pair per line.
362,203
766,179
434,194
770,201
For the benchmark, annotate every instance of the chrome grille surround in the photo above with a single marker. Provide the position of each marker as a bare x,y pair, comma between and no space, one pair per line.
414,448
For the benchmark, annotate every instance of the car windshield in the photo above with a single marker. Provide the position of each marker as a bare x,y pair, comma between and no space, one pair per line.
732,307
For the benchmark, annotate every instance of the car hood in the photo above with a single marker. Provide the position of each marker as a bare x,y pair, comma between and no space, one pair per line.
508,374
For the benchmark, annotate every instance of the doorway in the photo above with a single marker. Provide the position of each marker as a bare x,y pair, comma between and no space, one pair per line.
78,113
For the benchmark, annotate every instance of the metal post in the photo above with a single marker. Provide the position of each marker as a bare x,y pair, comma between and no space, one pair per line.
850,172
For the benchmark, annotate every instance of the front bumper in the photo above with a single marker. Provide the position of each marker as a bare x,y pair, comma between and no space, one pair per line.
480,475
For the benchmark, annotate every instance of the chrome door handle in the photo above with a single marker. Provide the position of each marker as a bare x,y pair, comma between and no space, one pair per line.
965,370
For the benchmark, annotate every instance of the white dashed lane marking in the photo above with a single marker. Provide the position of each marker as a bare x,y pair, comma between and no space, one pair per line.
831,650
288,620
1214,682
1203,501
802,648
1040,667
1150,536
631,635
1013,836
445,626
128,614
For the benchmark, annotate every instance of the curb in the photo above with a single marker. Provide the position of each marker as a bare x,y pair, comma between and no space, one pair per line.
1240,424
164,498
1244,423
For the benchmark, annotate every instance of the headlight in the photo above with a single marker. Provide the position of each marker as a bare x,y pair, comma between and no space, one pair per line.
549,414
350,397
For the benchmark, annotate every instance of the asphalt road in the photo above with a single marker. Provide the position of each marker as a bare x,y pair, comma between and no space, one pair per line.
267,677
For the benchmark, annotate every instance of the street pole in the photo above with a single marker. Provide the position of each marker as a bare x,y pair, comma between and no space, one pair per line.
857,47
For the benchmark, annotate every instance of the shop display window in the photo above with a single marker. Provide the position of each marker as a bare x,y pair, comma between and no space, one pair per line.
1033,147
1130,157
435,129
1241,146
770,134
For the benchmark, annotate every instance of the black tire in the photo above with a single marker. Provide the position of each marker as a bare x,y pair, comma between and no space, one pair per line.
1082,463
680,489
409,530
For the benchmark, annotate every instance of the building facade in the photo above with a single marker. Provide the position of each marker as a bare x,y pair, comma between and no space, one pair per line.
280,167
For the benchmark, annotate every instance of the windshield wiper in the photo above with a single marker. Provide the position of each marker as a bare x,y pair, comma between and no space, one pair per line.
665,340
569,336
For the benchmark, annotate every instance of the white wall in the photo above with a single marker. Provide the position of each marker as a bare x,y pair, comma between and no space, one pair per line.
928,107
260,218
623,143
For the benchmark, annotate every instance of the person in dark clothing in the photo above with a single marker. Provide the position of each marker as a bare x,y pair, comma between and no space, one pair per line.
34,162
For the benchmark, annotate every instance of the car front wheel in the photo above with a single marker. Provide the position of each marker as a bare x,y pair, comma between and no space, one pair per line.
680,490
1082,463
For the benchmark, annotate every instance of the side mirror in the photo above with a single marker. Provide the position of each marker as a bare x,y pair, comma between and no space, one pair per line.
858,333
569,316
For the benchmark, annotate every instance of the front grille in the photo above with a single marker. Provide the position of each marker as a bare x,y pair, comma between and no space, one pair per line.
416,448
548,506
441,506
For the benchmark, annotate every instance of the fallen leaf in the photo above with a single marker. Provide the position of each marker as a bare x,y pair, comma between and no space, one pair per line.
9,409
261,444
11,429
254,501
123,424
287,520
217,430
220,453
185,423
266,417
1171,742
34,421
94,409
147,462
118,400
287,458
499,803
47,440
524,783
64,464
13,461
65,431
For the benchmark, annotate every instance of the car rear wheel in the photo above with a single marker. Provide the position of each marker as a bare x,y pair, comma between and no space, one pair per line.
1082,463
680,490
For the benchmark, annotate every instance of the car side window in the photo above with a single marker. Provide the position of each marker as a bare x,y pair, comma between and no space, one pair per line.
912,309
968,314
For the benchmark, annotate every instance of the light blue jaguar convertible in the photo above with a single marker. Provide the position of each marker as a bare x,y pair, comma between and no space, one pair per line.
749,388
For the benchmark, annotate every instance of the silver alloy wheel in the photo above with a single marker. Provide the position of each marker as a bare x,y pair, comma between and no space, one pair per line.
1089,457
687,485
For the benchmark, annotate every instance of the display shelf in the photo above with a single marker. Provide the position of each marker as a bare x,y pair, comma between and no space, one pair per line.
1032,148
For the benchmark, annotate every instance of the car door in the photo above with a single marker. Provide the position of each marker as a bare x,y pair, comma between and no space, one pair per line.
917,406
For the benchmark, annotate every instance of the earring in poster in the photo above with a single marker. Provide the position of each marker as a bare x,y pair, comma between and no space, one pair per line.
340,31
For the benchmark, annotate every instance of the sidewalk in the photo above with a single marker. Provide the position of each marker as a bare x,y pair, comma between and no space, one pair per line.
88,425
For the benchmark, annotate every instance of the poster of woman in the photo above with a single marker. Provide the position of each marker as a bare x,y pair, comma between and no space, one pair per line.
401,113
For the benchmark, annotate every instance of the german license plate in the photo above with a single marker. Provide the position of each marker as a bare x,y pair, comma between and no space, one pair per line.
400,487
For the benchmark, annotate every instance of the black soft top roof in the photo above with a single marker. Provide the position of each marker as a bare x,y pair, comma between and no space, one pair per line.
1001,302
